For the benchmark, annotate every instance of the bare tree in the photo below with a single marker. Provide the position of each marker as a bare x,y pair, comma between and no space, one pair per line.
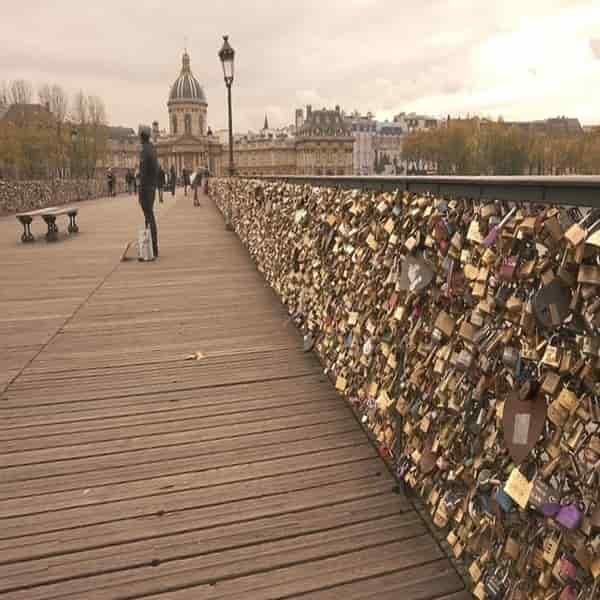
96,110
89,113
20,92
3,92
99,133
55,98
81,146
80,109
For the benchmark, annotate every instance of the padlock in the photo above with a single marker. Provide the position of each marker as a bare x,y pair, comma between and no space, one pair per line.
569,592
440,517
565,569
551,547
510,357
512,548
570,515
542,494
518,488
504,500
496,584
595,567
479,591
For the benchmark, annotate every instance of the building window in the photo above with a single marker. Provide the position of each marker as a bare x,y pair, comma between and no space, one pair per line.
188,124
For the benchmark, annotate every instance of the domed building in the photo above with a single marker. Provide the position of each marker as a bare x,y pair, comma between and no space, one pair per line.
189,143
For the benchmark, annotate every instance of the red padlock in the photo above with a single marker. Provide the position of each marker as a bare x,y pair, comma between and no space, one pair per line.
568,593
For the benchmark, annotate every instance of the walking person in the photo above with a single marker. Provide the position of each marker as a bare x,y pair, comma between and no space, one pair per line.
129,181
197,184
148,175
186,180
160,183
205,176
173,179
136,181
110,179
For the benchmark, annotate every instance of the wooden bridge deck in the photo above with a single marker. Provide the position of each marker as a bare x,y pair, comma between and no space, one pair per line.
129,472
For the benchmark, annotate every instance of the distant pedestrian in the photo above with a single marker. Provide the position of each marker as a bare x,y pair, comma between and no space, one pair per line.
197,184
160,183
148,175
205,176
186,181
173,179
129,181
136,181
110,179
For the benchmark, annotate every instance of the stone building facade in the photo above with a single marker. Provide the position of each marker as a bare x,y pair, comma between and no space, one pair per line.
324,144
378,144
264,156
364,128
321,145
123,151
387,149
189,142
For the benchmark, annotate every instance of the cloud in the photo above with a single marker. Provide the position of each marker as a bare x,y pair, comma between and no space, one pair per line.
378,55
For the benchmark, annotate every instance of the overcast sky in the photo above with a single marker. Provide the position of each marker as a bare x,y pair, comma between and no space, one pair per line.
522,59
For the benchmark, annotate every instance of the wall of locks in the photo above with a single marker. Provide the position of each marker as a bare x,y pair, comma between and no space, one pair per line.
20,196
467,336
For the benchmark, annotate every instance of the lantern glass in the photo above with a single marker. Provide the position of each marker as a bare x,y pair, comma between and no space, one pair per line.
227,54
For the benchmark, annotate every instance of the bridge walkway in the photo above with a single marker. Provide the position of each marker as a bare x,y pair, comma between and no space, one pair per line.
127,471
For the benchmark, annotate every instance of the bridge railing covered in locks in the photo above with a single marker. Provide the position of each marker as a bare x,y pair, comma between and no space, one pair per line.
466,333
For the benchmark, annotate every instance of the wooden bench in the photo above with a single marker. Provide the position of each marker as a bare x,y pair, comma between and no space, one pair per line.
49,215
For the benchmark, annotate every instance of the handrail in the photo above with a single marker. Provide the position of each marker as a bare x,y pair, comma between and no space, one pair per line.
576,190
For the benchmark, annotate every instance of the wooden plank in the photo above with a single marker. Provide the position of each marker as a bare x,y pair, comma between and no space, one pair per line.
333,494
67,452
309,386
178,465
161,454
234,562
196,480
180,545
168,501
315,575
414,583
194,422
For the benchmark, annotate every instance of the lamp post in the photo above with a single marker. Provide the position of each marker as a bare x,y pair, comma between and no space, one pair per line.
227,54
74,134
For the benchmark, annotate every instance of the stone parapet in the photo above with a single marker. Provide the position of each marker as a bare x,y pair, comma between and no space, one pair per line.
20,196
465,334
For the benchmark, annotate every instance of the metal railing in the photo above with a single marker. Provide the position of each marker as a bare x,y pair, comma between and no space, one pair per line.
580,190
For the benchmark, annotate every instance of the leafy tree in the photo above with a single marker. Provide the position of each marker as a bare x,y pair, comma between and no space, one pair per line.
482,146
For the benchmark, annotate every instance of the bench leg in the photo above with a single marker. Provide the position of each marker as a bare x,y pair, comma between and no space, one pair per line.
52,235
27,235
73,228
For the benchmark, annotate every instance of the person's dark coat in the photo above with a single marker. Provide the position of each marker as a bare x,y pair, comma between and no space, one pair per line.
148,172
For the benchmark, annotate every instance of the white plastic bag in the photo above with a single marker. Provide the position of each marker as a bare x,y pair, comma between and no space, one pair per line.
145,251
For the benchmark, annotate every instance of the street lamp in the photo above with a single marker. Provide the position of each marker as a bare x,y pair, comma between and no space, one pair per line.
74,134
227,54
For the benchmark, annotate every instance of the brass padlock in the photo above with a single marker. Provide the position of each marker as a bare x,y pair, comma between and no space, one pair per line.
551,547
512,548
475,571
595,567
